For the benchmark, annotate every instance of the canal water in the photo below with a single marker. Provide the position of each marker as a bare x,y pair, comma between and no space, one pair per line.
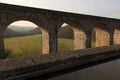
106,71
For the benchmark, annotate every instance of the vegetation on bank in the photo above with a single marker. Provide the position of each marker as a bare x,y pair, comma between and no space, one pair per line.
31,45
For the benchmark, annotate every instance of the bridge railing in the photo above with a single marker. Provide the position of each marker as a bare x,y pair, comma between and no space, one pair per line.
50,65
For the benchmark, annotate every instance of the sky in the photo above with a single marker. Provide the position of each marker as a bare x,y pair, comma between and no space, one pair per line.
105,8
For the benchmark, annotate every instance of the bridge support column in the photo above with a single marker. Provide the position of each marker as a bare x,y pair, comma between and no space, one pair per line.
53,43
45,42
79,40
116,35
2,49
111,38
102,38
49,43
88,41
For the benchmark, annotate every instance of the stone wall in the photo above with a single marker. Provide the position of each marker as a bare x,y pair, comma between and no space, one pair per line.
50,64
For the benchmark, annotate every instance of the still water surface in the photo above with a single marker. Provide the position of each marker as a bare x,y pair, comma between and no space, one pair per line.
106,71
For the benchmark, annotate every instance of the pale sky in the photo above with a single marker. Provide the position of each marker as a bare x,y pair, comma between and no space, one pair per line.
105,8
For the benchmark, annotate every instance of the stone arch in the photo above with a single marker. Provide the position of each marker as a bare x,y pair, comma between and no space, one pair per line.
79,35
116,35
100,35
35,21
45,34
19,45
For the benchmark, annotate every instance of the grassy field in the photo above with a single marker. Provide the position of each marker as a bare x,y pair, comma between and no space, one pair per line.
30,45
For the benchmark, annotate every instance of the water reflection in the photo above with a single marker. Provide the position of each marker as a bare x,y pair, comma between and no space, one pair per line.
105,71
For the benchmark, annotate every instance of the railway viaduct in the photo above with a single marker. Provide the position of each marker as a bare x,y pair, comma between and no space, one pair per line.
106,31
86,30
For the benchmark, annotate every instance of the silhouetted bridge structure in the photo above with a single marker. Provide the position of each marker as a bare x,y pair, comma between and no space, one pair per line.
105,30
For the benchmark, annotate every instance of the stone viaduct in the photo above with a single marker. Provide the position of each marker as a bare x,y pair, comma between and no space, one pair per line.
106,31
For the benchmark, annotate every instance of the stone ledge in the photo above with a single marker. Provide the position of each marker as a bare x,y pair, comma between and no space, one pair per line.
43,64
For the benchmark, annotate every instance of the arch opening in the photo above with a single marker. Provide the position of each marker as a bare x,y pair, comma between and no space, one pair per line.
23,38
116,35
65,41
75,35
100,35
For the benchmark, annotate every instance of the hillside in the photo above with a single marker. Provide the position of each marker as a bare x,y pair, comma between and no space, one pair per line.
20,31
15,31
10,33
65,32
35,31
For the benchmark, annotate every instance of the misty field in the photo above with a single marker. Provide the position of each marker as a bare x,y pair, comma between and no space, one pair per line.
31,45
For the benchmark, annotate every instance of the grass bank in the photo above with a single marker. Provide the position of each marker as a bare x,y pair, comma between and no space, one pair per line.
30,45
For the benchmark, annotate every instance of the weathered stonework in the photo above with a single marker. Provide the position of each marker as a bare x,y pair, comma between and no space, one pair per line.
117,36
45,43
50,22
102,38
79,40
29,67
1,43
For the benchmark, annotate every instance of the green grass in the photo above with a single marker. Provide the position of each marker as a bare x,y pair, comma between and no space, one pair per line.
65,44
22,46
30,45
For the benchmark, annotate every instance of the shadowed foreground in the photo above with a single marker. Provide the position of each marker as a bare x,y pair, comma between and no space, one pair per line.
51,65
